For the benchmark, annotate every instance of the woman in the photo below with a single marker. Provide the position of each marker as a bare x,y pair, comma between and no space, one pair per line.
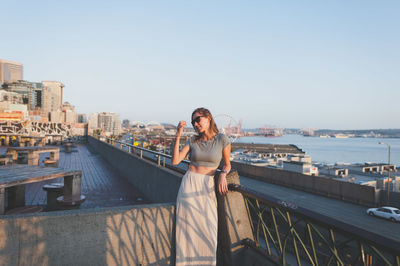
196,205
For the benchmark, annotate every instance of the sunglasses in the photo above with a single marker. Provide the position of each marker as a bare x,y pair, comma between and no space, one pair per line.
196,120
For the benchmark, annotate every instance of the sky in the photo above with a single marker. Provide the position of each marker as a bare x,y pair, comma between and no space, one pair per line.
294,64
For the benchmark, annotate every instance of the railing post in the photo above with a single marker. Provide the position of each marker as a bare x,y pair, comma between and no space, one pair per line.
141,153
158,159
233,225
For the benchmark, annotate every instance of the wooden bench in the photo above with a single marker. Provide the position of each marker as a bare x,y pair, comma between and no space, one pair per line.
13,179
54,190
71,202
24,209
5,159
33,153
50,163
22,158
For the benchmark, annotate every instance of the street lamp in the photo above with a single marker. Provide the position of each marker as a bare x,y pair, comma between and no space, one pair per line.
388,181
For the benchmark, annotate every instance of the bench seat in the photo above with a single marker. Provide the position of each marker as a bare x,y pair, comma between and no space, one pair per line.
50,163
25,209
71,201
54,190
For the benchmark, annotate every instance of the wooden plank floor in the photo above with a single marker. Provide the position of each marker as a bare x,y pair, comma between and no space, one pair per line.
101,184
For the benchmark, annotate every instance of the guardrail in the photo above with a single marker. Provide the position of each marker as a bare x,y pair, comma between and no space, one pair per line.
141,152
286,233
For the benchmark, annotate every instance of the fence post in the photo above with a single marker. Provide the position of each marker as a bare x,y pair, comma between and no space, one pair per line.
233,226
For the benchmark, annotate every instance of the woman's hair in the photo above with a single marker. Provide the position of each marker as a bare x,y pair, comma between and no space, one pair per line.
205,112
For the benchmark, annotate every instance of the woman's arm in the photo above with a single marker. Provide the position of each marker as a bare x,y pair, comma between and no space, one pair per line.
222,184
178,156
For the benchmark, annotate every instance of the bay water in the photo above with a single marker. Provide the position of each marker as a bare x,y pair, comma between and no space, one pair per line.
333,150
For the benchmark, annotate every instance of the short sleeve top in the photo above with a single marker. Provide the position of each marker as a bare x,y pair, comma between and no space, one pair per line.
208,153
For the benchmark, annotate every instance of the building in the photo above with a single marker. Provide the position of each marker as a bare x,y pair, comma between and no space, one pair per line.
31,92
109,123
333,171
11,115
52,96
10,97
69,115
125,123
93,122
56,116
10,71
300,167
82,118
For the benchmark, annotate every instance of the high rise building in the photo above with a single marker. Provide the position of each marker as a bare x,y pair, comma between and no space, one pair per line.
110,123
31,92
93,122
10,71
52,95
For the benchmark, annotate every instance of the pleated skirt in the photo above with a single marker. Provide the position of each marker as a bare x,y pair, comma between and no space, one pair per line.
196,221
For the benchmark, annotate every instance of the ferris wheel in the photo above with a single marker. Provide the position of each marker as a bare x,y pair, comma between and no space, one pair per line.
229,126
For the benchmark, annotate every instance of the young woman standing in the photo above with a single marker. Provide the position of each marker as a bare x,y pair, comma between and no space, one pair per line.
196,205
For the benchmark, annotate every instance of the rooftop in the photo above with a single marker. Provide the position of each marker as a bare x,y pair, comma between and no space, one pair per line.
101,183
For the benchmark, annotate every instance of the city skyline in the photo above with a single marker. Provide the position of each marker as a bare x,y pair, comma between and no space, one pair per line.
291,65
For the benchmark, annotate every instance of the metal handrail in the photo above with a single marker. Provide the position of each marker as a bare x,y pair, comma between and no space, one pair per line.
293,215
159,154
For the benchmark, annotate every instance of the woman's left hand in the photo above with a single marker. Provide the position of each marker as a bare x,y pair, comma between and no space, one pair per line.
222,184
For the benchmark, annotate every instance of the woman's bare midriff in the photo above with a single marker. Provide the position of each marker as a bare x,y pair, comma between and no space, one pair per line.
202,170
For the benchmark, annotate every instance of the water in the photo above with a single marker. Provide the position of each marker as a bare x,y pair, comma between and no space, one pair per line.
332,150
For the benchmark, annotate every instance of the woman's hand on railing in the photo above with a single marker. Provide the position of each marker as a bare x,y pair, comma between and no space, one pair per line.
222,184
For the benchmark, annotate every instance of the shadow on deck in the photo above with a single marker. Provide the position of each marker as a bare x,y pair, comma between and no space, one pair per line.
101,183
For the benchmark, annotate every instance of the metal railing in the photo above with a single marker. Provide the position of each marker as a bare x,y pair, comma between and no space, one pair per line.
285,231
162,159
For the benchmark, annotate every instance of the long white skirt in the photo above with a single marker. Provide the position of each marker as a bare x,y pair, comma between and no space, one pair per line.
196,221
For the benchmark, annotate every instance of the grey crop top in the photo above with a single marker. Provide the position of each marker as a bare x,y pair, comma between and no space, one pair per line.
208,153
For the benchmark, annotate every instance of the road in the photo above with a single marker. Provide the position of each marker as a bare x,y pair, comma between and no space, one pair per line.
346,212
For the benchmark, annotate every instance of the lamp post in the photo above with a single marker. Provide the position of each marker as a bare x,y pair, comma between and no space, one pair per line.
388,181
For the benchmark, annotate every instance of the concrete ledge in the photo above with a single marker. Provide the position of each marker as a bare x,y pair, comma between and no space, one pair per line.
132,235
350,192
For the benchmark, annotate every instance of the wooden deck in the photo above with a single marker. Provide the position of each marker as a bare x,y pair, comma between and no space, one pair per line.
101,184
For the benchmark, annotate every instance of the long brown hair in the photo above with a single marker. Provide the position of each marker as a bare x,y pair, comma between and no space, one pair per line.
205,112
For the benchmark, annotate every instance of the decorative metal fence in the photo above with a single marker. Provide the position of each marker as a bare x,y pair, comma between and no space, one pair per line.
288,233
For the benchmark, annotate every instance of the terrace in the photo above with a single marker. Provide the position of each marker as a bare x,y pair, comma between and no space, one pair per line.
275,233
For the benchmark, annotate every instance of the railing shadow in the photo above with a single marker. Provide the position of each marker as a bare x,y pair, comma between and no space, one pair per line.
134,235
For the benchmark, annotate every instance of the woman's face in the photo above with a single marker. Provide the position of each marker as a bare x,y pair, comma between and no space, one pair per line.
200,123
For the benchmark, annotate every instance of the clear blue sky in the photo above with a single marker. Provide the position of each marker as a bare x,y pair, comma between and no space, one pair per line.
317,64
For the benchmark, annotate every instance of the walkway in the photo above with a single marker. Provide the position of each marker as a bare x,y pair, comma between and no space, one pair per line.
101,184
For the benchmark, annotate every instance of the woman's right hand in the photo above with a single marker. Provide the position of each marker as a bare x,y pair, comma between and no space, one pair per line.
181,126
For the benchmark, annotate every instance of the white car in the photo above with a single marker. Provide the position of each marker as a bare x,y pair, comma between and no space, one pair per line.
393,214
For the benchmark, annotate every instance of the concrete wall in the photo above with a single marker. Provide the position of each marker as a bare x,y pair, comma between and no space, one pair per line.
161,184
158,184
394,199
393,196
328,187
132,235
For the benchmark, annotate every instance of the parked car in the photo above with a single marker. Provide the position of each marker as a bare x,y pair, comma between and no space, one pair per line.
389,213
